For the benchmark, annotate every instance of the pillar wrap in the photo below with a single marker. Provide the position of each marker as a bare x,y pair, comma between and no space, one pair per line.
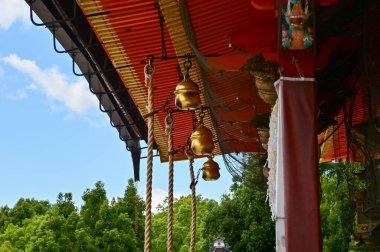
298,158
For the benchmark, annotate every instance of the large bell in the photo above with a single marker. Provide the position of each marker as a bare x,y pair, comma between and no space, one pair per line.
202,142
187,95
210,170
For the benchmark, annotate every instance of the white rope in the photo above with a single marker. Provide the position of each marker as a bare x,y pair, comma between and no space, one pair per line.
149,71
169,120
272,160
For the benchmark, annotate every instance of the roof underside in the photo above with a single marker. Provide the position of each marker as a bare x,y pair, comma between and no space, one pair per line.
221,35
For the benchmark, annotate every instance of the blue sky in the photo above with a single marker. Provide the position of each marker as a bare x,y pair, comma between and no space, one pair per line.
53,137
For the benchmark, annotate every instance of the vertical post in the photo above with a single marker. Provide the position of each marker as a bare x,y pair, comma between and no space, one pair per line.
298,156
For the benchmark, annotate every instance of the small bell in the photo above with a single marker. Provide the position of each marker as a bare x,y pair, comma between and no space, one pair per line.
202,142
210,170
187,95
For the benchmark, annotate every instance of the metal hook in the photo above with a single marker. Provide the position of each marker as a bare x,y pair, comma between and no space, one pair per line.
195,181
150,59
169,119
161,19
201,115
95,72
108,110
77,49
149,68
100,93
31,13
118,127
187,64
54,29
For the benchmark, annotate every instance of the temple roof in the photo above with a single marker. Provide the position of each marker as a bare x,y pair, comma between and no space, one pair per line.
110,41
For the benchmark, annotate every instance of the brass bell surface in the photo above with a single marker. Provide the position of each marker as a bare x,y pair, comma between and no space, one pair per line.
202,142
187,95
210,170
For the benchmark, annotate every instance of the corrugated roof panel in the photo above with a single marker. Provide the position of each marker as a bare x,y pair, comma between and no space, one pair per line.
134,25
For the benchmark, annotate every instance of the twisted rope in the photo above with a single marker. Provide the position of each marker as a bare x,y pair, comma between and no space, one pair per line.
169,123
136,212
149,72
193,204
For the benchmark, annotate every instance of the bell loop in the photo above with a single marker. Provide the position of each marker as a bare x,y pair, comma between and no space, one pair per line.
187,65
149,69
201,116
169,120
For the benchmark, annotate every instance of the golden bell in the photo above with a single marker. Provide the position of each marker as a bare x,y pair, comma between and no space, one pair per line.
187,95
210,170
202,142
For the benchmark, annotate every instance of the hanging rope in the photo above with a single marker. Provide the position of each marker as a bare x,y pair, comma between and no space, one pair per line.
149,72
169,120
299,70
193,200
136,211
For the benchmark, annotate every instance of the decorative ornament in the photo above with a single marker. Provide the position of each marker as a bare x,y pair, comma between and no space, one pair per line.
187,94
265,73
297,25
210,170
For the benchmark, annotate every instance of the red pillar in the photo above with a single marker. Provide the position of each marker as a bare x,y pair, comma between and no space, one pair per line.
299,154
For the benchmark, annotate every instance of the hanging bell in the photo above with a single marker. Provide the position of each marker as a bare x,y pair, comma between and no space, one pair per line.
210,170
202,142
187,95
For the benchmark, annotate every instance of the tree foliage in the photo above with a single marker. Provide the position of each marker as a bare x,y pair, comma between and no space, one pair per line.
242,217
100,225
181,224
337,209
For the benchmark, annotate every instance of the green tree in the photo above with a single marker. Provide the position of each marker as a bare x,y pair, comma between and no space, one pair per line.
65,204
181,224
99,226
244,220
93,201
126,205
108,226
337,210
243,217
4,218
252,173
26,209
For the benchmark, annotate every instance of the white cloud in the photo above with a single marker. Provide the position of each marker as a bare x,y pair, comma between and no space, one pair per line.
32,86
75,96
19,95
158,197
12,11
